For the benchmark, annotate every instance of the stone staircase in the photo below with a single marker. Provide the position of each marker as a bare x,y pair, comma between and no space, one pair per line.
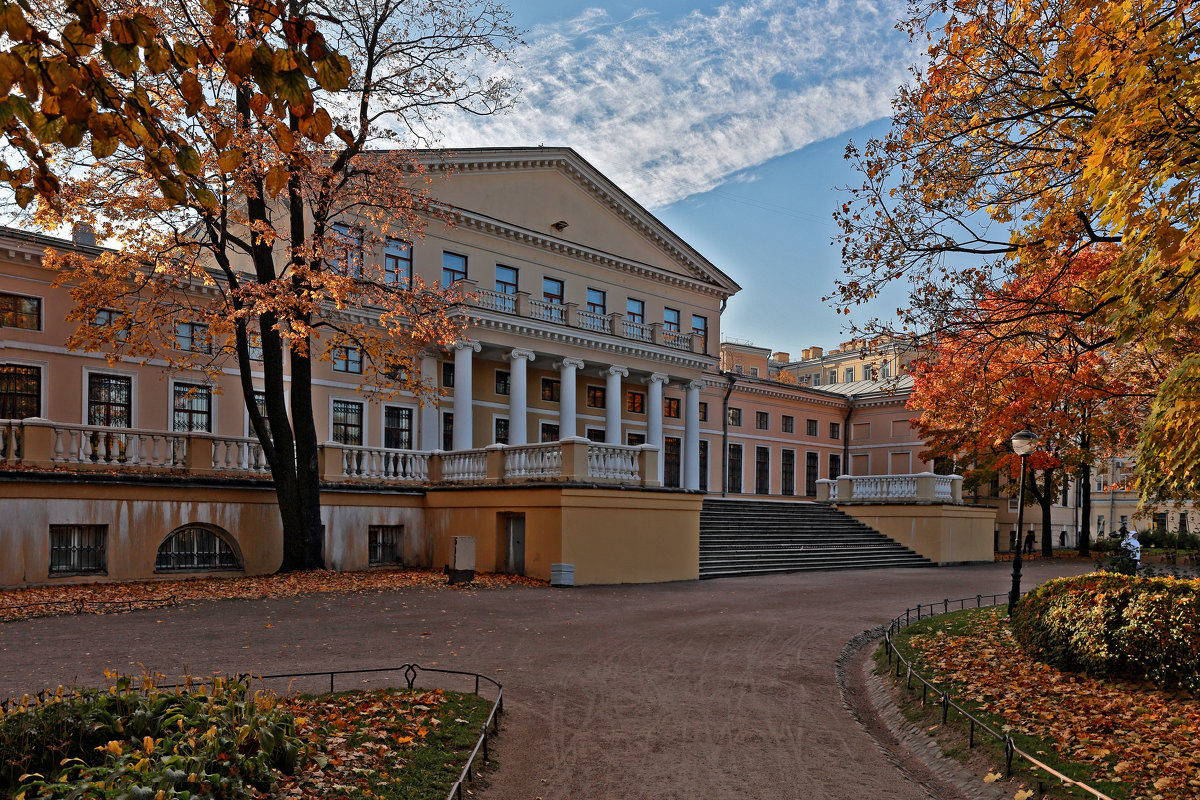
752,537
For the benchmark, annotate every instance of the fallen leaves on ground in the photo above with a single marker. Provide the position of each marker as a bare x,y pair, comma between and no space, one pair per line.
1129,733
367,744
44,600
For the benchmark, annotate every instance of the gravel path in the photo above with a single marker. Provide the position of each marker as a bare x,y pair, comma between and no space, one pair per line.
713,689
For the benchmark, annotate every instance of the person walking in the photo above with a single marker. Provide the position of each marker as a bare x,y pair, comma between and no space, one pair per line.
1029,543
1133,547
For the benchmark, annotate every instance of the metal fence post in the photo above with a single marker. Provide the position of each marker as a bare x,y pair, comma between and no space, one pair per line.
945,706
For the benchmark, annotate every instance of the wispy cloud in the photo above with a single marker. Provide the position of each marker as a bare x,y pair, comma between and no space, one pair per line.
669,107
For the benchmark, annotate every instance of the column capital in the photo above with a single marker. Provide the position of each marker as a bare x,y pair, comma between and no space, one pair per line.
574,363
517,354
697,385
622,371
658,377
462,344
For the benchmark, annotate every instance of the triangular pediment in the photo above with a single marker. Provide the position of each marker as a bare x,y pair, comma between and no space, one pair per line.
538,189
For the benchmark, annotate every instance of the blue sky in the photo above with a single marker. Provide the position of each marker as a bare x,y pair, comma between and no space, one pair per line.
727,120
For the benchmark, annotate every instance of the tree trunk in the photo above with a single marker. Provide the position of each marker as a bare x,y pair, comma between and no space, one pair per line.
308,473
1085,511
1047,504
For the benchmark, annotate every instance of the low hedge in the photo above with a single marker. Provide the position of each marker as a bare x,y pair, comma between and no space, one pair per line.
1117,626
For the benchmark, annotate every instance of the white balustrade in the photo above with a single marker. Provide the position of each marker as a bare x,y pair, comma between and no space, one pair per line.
677,339
382,463
591,321
639,331
884,487
118,447
496,301
10,441
548,312
533,461
239,454
943,488
613,462
464,465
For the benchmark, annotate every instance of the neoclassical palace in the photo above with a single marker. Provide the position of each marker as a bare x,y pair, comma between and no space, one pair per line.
585,414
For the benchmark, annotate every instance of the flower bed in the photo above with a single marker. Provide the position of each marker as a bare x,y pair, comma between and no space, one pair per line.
1116,625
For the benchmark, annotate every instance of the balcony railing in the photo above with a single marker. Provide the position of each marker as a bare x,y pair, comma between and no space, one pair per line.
41,444
522,305
923,487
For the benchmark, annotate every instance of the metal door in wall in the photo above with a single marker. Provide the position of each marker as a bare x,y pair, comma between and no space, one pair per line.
671,472
811,467
762,470
514,552
788,472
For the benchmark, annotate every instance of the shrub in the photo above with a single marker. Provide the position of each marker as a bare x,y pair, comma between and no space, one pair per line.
205,741
1117,626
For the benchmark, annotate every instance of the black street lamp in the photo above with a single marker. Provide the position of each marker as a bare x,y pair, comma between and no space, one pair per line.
1023,443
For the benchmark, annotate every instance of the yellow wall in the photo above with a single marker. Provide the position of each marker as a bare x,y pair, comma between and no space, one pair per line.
944,534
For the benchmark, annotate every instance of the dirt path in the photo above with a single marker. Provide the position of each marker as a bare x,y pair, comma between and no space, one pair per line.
714,689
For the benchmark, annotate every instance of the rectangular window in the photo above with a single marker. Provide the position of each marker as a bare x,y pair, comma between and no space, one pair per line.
671,319
735,417
347,359
595,435
835,466
78,548
111,318
110,400
788,473
832,377
703,465
548,432
635,439
397,263
20,391
397,427
255,346
734,477
385,545
447,430
503,382
754,372
700,328
868,372
810,427
812,465
192,337
762,470
885,370
704,412
635,310
595,397
506,279
762,421
552,290
454,269
551,389
672,462
635,402
671,407
346,247
260,403
447,374
500,430
347,422
788,424
17,311
835,430
192,408
849,374
596,301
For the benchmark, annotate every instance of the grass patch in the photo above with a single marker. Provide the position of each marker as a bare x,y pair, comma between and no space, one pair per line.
975,631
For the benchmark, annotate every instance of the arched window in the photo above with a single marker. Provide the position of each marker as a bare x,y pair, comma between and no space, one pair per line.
196,547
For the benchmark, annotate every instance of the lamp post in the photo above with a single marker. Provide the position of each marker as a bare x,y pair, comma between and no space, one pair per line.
1023,443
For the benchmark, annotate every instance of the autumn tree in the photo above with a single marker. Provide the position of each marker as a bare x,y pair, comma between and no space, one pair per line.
1005,368
1035,131
252,163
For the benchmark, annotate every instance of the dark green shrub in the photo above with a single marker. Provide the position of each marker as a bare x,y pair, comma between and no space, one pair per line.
1115,625
207,741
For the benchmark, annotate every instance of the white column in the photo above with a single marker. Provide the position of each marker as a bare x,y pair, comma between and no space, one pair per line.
518,386
463,438
691,437
654,418
566,396
429,405
613,404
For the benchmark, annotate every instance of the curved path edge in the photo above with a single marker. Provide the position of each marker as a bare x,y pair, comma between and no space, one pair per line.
917,755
